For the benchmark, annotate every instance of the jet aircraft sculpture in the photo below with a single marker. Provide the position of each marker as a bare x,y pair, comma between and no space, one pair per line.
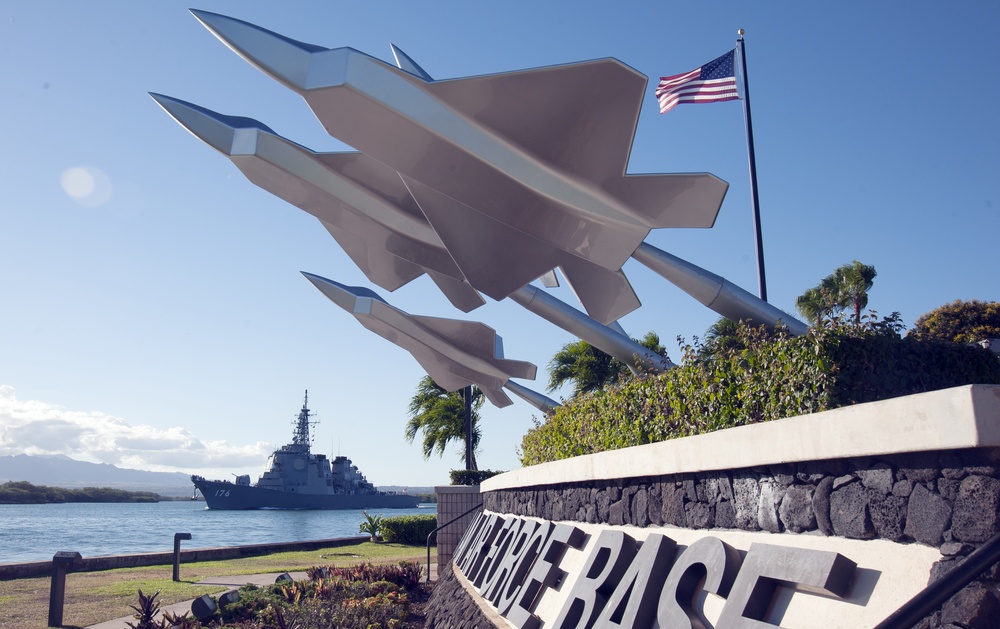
509,169
454,353
716,292
368,211
400,219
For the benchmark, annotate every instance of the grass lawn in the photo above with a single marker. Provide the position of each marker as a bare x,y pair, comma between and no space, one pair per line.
94,597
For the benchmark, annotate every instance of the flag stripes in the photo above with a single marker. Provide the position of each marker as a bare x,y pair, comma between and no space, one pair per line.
711,83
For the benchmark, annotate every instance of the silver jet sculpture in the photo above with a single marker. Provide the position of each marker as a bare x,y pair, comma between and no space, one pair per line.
368,211
454,353
513,171
504,183
715,292
477,195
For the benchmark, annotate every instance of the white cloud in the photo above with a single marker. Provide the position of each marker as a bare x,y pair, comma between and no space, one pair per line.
39,428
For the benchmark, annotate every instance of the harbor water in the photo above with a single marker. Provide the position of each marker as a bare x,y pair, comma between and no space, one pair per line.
37,532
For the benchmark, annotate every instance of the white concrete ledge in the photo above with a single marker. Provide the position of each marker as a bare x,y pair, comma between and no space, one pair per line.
962,417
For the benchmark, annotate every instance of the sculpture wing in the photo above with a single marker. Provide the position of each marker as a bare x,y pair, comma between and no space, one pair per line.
480,341
580,117
381,267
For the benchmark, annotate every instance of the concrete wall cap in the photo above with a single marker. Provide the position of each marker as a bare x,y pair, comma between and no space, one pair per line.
960,417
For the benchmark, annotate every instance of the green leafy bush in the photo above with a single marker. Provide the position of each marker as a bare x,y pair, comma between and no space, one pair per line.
960,322
761,376
363,595
405,574
409,529
472,477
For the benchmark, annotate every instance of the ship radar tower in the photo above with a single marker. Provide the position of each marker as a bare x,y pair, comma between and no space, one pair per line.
301,436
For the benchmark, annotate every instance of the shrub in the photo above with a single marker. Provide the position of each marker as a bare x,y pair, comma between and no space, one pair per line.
405,574
254,602
763,375
363,595
409,529
472,477
960,322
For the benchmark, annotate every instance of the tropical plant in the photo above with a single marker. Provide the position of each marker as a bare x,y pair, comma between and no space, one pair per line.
372,525
844,289
853,281
959,322
815,304
721,336
440,417
590,369
145,611
363,595
178,621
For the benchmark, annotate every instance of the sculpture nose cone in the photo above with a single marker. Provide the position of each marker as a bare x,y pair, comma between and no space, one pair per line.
230,135
347,297
282,58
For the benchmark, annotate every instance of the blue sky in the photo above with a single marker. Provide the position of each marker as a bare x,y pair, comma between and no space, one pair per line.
152,311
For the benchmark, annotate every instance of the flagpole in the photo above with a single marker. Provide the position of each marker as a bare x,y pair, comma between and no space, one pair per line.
761,281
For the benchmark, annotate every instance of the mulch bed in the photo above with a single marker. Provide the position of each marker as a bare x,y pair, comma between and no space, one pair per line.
418,606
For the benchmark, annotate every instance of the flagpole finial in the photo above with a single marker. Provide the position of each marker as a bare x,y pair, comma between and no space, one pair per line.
740,33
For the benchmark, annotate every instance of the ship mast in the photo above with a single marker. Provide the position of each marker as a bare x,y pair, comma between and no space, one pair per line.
301,435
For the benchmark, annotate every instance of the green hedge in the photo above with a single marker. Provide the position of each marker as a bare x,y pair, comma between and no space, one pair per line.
409,529
472,477
757,376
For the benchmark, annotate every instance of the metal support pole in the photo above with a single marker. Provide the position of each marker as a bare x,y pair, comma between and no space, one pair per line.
761,281
62,562
177,553
638,358
935,594
718,293
542,402
467,394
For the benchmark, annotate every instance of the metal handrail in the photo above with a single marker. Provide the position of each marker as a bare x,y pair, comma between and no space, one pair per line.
448,523
934,595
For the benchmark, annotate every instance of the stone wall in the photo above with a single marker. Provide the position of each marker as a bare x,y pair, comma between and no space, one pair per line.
451,606
948,500
922,470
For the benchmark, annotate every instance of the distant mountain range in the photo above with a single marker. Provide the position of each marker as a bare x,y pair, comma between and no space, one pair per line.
62,471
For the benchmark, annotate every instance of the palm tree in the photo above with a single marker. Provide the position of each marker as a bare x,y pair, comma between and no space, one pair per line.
590,369
853,282
814,304
721,336
440,417
846,288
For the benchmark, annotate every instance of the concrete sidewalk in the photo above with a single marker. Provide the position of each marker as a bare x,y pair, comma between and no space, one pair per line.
231,582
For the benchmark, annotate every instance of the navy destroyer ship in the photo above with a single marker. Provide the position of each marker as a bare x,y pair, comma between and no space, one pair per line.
299,479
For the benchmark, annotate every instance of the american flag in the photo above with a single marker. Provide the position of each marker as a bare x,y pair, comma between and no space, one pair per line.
711,83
